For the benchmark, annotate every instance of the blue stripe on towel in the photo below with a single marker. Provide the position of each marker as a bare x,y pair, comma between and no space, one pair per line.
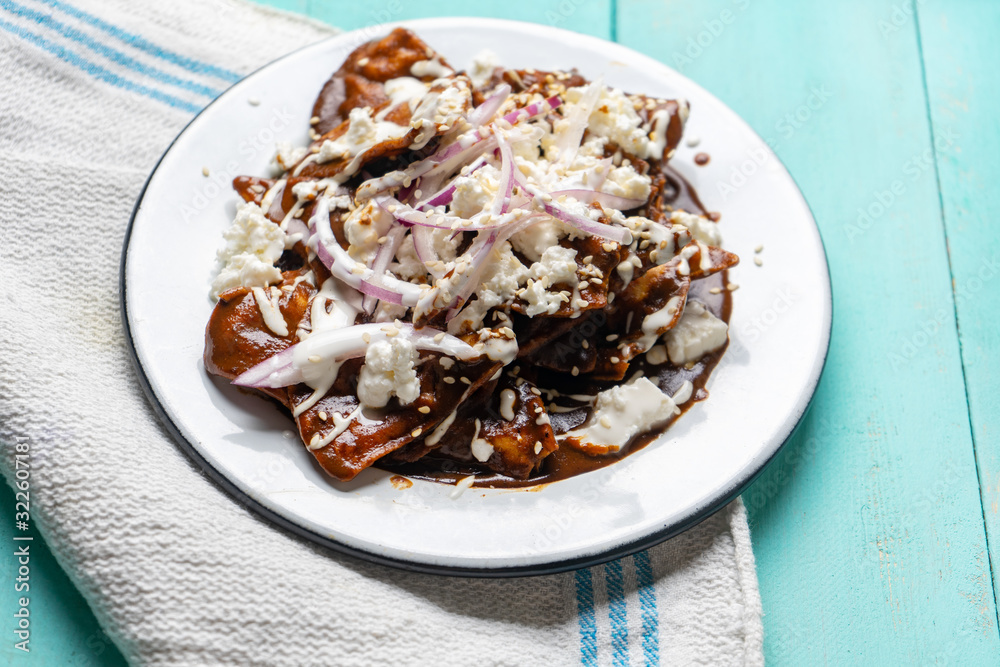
138,42
588,622
617,613
96,70
107,52
647,606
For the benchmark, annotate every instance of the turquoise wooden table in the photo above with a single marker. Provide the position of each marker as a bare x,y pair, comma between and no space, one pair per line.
876,528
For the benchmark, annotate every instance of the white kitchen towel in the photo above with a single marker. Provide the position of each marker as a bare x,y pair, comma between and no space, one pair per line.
175,570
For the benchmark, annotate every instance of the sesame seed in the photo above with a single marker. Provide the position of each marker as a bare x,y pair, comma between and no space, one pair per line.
322,415
416,432
715,290
315,358
575,371
449,379
615,360
314,120
253,101
732,287
588,259
612,338
362,62
758,261
204,171
367,337
423,409
465,380
608,247
586,345
535,391
538,446
313,440
439,337
759,248
606,421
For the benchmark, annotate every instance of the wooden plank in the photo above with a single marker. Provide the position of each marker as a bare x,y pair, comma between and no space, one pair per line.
962,66
868,532
592,17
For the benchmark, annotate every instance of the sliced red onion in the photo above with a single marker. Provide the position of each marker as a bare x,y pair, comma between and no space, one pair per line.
476,265
569,140
596,178
448,159
485,111
501,203
584,224
445,160
285,368
444,196
385,254
275,371
423,245
603,198
532,110
297,226
354,273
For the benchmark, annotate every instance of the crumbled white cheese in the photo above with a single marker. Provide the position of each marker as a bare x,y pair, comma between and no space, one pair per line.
443,107
696,334
482,68
363,228
627,182
665,240
533,241
389,371
434,68
306,190
361,134
701,228
541,300
402,89
556,265
474,193
253,245
615,117
624,411
501,279
286,156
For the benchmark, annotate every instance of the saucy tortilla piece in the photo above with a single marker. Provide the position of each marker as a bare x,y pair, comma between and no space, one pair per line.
360,81
237,338
503,428
345,444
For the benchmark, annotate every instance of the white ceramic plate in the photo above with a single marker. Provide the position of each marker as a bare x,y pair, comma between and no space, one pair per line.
779,330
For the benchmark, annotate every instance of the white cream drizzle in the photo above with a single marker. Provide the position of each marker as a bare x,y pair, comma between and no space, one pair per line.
481,449
268,305
507,398
340,424
442,428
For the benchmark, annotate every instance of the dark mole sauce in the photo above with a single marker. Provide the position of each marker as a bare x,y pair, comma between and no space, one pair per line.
566,461
701,159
